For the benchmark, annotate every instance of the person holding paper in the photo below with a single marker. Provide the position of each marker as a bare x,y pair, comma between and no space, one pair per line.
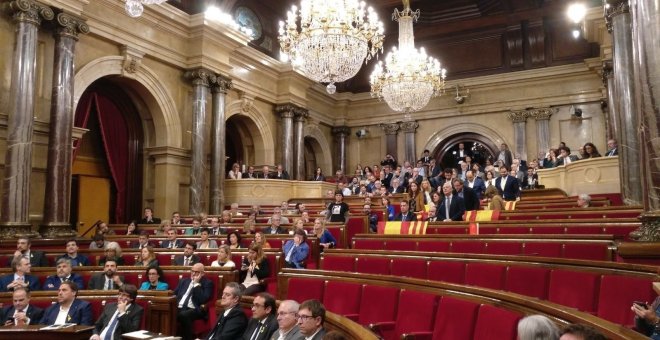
121,317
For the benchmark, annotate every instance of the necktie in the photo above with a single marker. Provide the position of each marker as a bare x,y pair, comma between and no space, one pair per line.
110,330
186,262
403,217
108,284
447,204
256,332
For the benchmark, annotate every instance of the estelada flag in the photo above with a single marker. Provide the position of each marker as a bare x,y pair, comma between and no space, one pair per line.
403,228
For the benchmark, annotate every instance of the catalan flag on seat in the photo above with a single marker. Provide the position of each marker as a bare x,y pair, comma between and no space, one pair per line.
403,228
510,205
482,215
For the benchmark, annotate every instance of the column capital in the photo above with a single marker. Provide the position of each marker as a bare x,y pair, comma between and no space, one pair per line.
607,72
29,11
301,114
70,25
518,116
543,113
390,129
650,229
409,126
287,110
614,8
221,84
341,130
200,76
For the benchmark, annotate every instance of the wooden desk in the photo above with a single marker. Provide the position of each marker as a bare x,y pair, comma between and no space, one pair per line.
33,332
151,335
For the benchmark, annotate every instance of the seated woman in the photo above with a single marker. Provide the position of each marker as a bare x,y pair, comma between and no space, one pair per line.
260,239
326,240
298,224
388,208
249,226
163,228
155,279
253,270
590,151
235,172
296,250
224,258
112,252
204,242
234,240
147,257
131,228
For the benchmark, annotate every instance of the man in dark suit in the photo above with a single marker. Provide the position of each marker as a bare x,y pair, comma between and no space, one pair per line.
192,293
143,240
405,214
20,312
452,207
531,180
467,194
565,156
149,217
172,242
37,258
189,257
311,317
64,273
119,317
265,173
505,155
476,183
233,322
72,310
507,186
397,188
20,277
249,173
612,148
275,227
264,322
387,180
460,154
281,173
107,280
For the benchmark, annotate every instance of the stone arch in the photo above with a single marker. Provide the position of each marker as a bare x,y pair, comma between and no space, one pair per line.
166,122
322,148
261,134
436,139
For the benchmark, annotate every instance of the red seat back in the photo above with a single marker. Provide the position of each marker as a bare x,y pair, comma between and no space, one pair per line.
400,245
338,263
496,323
373,265
301,289
378,304
587,251
409,267
455,319
472,247
529,281
485,275
416,312
543,249
574,289
436,246
617,294
343,297
369,244
448,271
504,248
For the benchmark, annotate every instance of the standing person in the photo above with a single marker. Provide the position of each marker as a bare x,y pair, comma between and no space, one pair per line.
68,308
452,207
232,323
287,320
149,217
470,199
63,273
264,322
20,278
117,318
505,155
507,186
338,210
311,317
191,293
20,312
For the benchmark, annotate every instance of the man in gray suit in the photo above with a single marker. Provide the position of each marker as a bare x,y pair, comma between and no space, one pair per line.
311,316
287,319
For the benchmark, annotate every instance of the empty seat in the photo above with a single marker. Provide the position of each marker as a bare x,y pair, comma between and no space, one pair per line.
529,281
587,251
343,298
416,313
471,247
496,323
409,267
400,245
338,263
485,275
301,289
435,246
455,319
373,265
504,248
447,271
544,249
574,289
368,244
378,304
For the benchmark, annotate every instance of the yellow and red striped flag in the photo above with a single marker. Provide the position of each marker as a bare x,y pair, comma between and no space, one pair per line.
403,228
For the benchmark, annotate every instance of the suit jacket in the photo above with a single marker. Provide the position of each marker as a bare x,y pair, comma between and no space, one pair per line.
294,334
470,199
200,294
37,258
177,244
410,216
560,160
97,281
318,336
511,188
229,327
178,260
283,175
269,230
479,186
535,183
508,158
269,327
33,313
80,313
613,152
79,260
53,282
299,254
129,322
32,281
456,209
265,176
154,220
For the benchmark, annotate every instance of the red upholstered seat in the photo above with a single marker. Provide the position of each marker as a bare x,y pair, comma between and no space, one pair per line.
485,275
547,230
587,251
400,245
338,263
343,298
436,246
172,280
617,294
574,289
378,304
504,248
368,244
543,249
201,327
529,281
473,247
336,233
488,230
448,271
355,226
496,323
514,230
409,267
455,319
165,259
373,265
416,313
97,307
301,289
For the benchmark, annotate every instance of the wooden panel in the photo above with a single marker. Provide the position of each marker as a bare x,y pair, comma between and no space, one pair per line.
93,200
536,41
468,54
514,46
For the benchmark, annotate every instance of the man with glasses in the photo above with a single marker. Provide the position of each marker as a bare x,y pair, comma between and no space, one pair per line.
263,323
287,320
232,323
191,295
310,320
119,317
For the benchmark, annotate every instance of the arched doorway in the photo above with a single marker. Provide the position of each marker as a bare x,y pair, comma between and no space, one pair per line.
481,147
312,147
239,145
108,161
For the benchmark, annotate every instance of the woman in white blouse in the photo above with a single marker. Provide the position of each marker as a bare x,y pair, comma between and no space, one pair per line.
224,258
235,172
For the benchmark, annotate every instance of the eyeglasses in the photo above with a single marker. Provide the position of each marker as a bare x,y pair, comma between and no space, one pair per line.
304,318
257,305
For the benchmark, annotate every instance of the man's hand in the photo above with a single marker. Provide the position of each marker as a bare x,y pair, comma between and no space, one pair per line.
18,253
645,313
95,337
117,280
21,317
121,306
17,283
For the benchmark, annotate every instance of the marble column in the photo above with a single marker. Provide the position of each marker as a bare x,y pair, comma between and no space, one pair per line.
391,131
409,128
286,112
542,117
201,79
14,209
612,128
627,115
646,46
300,116
219,90
519,119
341,134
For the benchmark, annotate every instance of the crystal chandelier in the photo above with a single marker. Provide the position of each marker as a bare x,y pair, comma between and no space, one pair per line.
334,38
409,78
134,8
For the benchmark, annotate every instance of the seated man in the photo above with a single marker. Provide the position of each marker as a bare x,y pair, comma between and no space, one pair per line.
73,256
296,250
98,242
68,309
143,240
311,317
149,217
171,242
232,323
37,258
20,312
20,278
107,280
64,273
119,317
405,214
189,257
580,332
275,227
264,322
192,293
287,320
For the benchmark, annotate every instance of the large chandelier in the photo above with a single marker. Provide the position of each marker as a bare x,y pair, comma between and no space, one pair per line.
409,78
334,38
134,8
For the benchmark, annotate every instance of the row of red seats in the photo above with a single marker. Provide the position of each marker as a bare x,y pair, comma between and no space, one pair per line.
619,231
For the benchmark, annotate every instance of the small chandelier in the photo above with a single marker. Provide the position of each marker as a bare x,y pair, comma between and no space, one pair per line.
334,38
409,78
134,8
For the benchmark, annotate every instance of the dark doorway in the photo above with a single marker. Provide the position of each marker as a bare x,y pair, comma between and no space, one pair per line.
479,146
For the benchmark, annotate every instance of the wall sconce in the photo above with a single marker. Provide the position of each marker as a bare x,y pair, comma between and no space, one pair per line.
460,99
576,13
